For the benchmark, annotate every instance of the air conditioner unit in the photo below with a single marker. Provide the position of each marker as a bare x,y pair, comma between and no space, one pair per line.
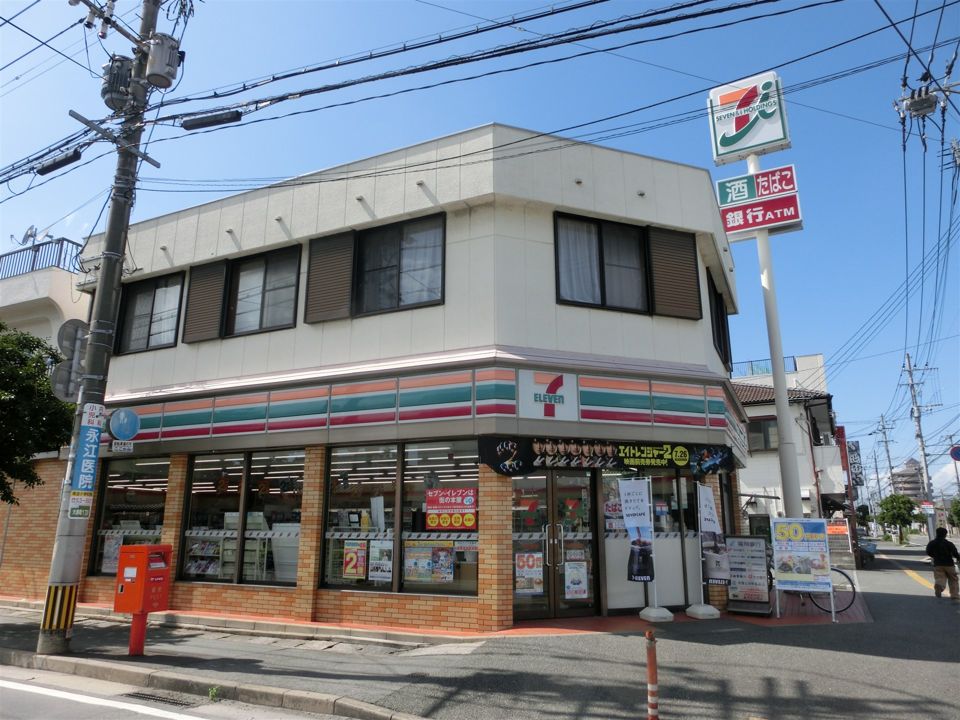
805,494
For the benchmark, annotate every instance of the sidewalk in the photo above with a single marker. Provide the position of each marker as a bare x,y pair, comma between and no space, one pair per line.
590,668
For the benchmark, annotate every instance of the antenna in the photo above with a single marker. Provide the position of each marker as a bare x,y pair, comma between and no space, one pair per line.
30,236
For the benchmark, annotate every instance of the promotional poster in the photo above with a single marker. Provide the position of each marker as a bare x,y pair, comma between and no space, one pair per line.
801,554
638,520
715,559
522,456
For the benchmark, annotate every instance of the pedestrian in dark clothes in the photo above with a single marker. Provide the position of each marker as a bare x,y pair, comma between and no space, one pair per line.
944,553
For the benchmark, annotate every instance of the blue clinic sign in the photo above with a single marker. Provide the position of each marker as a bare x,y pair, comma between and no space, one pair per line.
84,474
124,424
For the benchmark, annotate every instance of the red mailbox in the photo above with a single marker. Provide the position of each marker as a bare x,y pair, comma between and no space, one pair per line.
143,586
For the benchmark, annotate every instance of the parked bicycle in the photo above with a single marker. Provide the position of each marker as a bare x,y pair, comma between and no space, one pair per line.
844,593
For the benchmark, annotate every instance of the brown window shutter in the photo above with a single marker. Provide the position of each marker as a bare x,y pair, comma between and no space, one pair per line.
329,278
676,278
204,302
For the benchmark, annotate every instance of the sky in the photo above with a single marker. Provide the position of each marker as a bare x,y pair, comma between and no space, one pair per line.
850,285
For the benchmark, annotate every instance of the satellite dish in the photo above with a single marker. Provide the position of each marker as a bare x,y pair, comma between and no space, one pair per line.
29,236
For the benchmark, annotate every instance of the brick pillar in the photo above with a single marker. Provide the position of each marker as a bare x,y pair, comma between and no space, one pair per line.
173,507
495,574
737,512
716,594
311,527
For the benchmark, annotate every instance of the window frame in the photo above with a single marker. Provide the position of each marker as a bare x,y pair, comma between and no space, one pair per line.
356,285
230,289
125,306
720,323
765,425
603,305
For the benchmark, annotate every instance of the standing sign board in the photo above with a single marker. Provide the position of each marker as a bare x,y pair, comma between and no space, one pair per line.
838,536
747,118
749,590
84,473
638,521
801,554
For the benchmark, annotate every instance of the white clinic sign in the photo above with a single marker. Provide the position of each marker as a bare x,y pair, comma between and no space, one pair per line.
748,118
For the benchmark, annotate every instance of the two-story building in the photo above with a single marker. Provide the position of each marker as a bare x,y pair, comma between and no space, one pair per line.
403,390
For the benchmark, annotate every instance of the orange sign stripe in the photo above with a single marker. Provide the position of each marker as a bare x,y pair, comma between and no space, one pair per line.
435,380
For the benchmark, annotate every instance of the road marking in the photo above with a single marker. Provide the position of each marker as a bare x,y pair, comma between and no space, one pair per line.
141,709
910,573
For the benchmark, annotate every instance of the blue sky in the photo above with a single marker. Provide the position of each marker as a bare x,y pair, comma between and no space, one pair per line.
840,280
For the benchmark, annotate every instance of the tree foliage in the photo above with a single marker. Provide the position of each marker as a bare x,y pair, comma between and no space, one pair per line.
898,510
954,511
32,419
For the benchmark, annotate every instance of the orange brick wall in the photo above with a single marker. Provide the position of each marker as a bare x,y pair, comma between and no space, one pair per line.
32,528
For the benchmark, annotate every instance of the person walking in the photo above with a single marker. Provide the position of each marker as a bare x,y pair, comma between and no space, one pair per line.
944,553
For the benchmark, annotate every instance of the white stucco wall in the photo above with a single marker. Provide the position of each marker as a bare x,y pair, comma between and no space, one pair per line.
39,302
499,265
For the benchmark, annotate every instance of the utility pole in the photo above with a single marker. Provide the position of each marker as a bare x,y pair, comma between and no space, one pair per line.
886,443
915,411
61,600
876,470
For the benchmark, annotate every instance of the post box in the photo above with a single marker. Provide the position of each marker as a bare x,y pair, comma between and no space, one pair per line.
143,579
143,586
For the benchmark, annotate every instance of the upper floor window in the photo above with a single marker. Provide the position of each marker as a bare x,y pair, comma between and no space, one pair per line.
719,321
763,434
601,263
400,265
263,292
148,314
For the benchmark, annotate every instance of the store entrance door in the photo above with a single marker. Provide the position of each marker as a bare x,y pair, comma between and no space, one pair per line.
554,545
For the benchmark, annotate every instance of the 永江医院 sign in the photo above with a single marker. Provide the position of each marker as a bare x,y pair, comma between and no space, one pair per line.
763,184
781,212
84,474
747,118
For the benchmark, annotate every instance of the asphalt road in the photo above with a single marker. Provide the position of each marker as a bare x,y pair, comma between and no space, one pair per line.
902,665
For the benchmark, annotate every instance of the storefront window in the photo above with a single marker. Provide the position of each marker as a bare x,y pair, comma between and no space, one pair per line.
131,510
666,506
360,517
265,486
440,518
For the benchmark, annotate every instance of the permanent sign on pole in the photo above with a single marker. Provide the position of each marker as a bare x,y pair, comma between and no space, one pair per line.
781,212
747,118
85,464
764,184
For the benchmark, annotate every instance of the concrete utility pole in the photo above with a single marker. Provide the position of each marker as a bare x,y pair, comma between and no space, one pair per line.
925,487
876,470
886,443
786,446
61,600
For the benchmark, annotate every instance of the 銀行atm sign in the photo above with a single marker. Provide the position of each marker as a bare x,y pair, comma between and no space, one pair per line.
765,200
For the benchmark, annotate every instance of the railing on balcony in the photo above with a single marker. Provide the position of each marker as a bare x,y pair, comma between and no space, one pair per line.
762,367
60,253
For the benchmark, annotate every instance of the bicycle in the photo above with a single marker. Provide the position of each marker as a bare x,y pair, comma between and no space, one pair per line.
844,593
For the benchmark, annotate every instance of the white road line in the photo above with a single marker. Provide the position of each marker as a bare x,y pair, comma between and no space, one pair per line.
141,709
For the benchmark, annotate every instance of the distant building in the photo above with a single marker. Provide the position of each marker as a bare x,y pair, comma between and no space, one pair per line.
907,479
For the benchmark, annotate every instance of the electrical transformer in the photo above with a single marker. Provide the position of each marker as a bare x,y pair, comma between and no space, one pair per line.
115,89
163,60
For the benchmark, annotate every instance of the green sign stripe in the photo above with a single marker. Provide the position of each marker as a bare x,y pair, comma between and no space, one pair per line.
240,412
366,402
188,418
149,422
596,398
716,407
497,391
294,409
414,398
674,404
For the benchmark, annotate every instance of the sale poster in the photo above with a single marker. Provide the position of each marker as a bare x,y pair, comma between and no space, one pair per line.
355,559
801,554
638,520
528,573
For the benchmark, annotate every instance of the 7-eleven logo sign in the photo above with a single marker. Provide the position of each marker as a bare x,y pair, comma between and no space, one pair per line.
747,117
548,395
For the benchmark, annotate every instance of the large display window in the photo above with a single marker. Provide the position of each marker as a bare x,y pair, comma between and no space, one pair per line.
418,535
253,496
131,509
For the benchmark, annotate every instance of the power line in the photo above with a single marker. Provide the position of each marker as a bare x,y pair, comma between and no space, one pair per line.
45,44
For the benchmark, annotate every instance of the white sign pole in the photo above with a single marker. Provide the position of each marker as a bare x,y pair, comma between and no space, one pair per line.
789,474
701,610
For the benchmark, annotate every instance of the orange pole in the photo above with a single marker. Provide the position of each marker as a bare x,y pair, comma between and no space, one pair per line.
653,689
138,634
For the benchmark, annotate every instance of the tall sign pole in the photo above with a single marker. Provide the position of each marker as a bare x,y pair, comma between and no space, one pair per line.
77,491
747,119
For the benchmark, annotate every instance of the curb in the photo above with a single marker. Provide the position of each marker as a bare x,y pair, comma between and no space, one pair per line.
264,695
396,639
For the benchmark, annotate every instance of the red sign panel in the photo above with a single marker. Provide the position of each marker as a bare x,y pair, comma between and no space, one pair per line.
452,509
761,214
